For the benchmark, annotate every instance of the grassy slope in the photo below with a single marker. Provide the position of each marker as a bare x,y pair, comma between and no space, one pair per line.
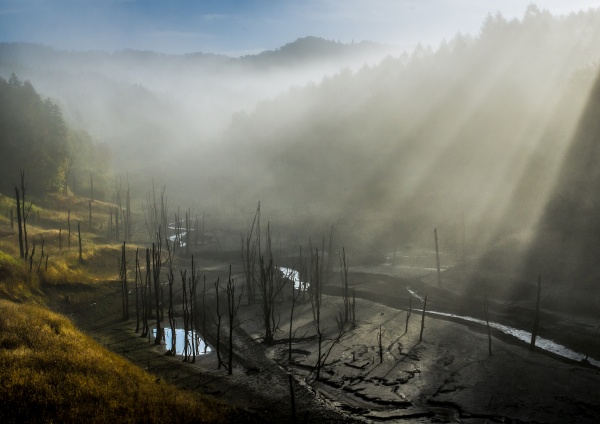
50,371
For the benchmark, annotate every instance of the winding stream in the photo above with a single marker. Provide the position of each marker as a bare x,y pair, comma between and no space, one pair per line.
525,336
293,275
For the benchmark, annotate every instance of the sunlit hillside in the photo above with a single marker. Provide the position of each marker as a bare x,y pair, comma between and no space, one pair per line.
468,136
323,232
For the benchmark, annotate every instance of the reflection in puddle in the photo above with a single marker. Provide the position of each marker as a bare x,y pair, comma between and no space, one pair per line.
180,233
292,274
201,347
179,239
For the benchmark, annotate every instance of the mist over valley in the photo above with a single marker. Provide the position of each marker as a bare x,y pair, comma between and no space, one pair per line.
463,174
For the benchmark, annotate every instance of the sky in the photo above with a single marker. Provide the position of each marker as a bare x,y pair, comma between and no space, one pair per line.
235,27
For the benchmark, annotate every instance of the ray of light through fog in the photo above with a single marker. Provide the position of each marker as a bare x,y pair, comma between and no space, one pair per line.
384,138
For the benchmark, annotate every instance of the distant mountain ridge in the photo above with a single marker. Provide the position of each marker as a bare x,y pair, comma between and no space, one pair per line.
302,50
315,48
146,97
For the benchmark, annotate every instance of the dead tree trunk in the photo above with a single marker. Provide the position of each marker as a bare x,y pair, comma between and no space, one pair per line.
24,215
192,309
80,249
137,287
536,320
295,296
217,321
31,258
270,287
20,225
345,294
171,311
146,297
380,344
487,322
330,250
150,300
117,223
249,251
408,314
156,264
128,224
39,267
186,315
319,355
316,304
204,314
124,289
353,306
437,258
423,319
232,309
187,232
266,289
109,230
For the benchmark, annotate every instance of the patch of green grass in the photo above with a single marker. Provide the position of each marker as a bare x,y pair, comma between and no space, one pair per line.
50,372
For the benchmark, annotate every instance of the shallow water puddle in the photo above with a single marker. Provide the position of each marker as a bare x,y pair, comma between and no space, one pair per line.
293,275
525,336
540,342
201,348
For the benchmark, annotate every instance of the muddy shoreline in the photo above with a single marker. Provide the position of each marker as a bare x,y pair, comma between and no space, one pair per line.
447,377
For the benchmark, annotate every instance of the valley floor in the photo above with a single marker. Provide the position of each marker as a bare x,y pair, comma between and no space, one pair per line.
449,376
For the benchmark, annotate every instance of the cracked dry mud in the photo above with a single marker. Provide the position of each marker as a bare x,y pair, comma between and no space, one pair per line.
447,377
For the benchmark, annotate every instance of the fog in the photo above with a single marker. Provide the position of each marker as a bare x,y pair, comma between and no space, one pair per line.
467,137
191,98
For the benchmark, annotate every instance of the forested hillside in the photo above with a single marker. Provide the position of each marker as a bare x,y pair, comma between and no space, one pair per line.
35,139
141,102
33,136
468,135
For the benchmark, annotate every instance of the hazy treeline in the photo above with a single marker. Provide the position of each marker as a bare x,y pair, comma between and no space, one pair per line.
35,138
145,102
473,131
466,137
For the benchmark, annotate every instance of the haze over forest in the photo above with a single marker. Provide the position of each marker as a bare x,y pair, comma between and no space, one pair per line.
488,138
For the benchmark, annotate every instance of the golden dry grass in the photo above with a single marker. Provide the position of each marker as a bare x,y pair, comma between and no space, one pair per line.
51,372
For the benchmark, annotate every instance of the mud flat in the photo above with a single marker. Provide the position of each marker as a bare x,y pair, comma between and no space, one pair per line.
448,377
